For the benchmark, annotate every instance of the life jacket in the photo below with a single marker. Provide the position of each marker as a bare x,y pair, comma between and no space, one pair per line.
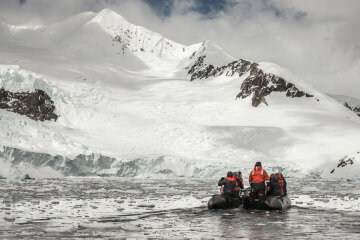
232,179
258,175
281,183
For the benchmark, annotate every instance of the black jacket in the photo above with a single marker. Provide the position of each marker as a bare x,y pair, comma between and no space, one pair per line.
229,185
274,187
284,187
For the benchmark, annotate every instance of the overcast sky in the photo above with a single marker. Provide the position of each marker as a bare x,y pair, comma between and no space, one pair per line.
318,40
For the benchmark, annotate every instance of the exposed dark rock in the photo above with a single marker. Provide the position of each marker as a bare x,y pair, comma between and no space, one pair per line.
262,84
123,41
199,70
258,98
356,110
258,84
36,105
27,177
344,162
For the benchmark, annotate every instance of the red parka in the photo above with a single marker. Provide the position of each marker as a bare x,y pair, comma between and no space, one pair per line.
281,182
258,175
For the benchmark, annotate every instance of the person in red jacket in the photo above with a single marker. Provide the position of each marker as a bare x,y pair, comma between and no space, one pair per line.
282,182
257,179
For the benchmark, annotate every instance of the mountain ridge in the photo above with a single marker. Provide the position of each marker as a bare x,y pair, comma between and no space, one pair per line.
140,110
351,103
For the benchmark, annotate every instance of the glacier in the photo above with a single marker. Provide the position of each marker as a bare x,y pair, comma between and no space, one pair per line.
128,107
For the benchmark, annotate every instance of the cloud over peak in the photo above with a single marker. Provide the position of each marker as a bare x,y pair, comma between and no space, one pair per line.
317,40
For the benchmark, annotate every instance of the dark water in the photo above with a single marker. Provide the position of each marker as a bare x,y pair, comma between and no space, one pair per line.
115,208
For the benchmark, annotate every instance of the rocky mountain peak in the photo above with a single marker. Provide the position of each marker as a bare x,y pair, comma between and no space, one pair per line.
258,84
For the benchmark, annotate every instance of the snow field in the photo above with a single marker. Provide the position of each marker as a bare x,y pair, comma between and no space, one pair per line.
137,104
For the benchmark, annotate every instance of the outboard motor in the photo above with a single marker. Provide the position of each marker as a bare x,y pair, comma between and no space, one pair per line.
250,202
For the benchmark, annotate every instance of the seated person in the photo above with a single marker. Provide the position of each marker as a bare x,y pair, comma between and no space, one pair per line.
282,182
239,180
230,185
235,176
274,186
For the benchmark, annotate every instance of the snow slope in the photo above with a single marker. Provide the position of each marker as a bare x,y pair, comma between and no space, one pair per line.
126,107
353,104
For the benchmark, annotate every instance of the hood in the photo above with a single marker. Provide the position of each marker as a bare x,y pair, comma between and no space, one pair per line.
274,179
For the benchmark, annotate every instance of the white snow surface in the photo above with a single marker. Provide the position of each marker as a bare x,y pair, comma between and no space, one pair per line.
131,99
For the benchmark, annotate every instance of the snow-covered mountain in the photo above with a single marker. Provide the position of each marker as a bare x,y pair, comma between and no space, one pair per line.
97,95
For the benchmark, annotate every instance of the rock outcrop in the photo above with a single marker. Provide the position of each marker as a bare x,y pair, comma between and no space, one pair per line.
258,84
355,109
36,105
200,70
344,162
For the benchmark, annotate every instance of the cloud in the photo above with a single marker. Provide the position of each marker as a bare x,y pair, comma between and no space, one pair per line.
162,8
317,40
207,8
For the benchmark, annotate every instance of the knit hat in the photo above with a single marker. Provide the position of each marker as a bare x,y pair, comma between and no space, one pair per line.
258,164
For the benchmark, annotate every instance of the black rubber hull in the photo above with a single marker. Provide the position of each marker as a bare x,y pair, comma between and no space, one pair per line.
270,203
224,202
277,203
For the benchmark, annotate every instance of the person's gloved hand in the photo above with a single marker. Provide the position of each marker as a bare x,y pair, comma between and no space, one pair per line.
222,178
252,184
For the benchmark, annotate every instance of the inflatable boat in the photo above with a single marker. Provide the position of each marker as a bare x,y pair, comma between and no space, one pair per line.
270,203
224,202
278,203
